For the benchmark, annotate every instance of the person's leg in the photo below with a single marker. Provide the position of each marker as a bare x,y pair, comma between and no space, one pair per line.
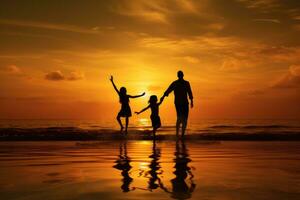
154,131
120,122
184,124
178,122
126,126
185,114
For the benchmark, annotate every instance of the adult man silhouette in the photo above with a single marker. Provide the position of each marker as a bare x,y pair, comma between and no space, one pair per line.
182,90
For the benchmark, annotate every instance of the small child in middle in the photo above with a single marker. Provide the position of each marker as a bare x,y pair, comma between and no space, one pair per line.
155,119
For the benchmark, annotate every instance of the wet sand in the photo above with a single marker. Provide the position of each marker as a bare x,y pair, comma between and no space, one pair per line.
145,170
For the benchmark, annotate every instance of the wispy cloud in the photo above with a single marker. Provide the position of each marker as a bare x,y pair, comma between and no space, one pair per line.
59,76
11,69
276,21
234,65
157,11
146,10
290,80
75,75
296,17
50,26
261,4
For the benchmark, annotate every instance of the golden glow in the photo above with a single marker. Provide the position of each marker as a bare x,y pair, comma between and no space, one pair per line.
58,67
144,122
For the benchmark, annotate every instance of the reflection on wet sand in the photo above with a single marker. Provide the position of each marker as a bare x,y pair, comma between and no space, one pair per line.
123,164
154,166
149,170
180,189
182,186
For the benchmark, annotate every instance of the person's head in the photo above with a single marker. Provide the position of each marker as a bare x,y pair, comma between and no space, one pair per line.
123,91
153,99
180,74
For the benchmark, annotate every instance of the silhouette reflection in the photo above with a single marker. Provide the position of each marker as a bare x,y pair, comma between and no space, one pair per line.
123,164
154,167
180,188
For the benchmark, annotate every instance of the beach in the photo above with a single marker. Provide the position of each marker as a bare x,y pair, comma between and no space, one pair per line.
145,170
217,159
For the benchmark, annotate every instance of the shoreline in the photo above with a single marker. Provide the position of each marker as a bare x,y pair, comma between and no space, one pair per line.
78,134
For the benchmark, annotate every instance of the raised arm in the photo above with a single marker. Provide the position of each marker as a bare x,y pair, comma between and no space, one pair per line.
136,96
143,110
112,81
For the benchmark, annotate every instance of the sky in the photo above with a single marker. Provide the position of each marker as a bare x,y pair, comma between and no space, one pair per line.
241,57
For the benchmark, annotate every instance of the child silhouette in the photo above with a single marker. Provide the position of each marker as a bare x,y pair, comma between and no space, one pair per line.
125,108
155,119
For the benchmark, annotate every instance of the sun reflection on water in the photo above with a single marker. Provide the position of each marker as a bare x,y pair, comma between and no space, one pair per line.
144,122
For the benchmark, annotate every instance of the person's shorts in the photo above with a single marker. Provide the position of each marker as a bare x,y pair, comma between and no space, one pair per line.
182,110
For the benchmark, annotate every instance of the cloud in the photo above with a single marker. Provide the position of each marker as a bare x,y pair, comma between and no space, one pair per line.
153,11
74,76
264,5
59,76
256,92
14,69
230,65
233,64
11,69
205,43
276,21
247,94
295,70
290,80
157,11
297,17
191,59
55,76
49,26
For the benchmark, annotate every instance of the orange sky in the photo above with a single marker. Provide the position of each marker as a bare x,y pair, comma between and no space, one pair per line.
241,57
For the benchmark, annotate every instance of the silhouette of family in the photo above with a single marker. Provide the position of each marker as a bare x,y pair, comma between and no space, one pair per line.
182,91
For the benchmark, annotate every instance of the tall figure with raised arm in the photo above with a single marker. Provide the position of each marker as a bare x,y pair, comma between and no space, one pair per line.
182,90
125,108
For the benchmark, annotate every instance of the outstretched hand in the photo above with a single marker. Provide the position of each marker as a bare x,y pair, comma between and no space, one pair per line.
111,78
137,113
143,94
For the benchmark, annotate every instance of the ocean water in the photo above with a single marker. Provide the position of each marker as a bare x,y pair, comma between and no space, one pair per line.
208,125
149,170
203,129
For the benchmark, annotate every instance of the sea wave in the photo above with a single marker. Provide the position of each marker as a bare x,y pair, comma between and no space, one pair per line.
275,126
79,134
